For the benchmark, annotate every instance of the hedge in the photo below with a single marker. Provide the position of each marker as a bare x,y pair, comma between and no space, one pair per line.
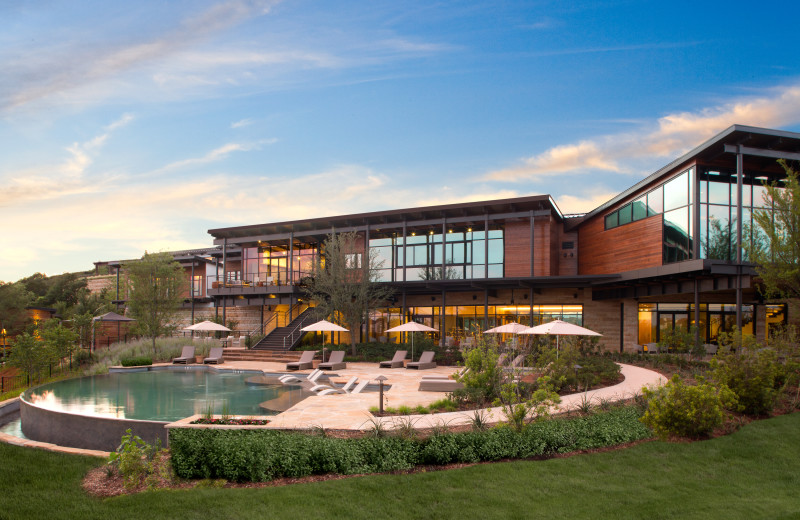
136,361
258,455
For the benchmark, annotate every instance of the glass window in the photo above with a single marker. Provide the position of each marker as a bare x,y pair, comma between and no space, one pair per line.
375,242
640,208
718,193
496,271
612,220
495,233
478,252
625,215
703,191
676,235
676,192
759,195
495,251
655,201
747,195
718,244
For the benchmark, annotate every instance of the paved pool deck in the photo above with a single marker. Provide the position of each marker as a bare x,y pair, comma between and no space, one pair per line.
351,411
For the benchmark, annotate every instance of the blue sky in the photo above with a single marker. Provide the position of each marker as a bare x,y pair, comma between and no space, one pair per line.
127,127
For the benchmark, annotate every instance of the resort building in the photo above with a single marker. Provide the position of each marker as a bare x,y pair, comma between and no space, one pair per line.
664,254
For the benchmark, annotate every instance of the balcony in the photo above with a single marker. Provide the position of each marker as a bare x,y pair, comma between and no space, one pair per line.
236,284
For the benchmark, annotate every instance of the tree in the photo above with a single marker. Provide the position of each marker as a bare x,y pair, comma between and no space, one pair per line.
156,285
779,263
59,340
343,283
28,354
14,298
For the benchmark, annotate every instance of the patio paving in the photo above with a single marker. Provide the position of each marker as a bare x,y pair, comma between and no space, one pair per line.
351,412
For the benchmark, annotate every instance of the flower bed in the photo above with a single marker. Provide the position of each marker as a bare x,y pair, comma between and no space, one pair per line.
234,421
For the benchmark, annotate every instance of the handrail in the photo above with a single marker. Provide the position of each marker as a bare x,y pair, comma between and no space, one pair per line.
294,330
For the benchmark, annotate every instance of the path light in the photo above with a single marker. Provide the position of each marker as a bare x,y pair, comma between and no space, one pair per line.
577,384
380,380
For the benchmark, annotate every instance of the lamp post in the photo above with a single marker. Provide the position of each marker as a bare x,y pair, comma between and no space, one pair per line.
4,343
380,380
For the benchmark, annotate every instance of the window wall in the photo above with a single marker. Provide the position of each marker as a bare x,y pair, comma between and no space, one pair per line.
466,254
718,212
655,318
465,320
269,265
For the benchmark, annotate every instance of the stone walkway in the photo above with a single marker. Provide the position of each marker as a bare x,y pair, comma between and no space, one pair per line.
351,412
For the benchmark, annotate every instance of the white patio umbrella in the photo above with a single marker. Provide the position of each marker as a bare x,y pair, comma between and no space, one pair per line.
208,326
508,328
560,328
324,326
412,326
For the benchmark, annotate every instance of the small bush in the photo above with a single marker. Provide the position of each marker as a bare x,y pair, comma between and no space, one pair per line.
686,411
750,370
136,362
134,459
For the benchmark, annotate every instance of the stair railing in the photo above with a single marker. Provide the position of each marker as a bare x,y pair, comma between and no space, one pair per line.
295,330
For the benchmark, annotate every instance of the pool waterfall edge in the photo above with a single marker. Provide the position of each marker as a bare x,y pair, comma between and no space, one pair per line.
85,431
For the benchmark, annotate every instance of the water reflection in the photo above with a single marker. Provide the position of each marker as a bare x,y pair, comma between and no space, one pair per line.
159,395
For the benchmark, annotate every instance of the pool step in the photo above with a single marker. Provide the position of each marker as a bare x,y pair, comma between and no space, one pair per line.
260,355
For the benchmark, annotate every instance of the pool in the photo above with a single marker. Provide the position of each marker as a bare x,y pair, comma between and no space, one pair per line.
93,412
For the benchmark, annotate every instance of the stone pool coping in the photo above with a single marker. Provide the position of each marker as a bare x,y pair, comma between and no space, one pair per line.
351,412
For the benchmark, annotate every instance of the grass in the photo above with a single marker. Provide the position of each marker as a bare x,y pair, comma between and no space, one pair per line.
750,474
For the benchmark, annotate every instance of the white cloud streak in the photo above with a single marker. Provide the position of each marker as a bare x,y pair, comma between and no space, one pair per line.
73,67
670,136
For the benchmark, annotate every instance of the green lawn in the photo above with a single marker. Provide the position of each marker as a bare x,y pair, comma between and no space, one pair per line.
751,474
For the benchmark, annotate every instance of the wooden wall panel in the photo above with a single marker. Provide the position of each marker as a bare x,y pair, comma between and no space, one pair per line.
568,266
631,246
517,248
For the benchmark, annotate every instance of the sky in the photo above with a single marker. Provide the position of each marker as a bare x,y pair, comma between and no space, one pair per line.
128,127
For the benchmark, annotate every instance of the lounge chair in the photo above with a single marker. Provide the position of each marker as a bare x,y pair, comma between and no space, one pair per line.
517,361
187,355
710,349
459,373
290,379
653,348
215,356
501,359
334,390
335,362
305,362
396,361
425,361
357,390
439,385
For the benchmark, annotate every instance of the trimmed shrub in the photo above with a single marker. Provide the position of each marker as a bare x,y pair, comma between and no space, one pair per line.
684,410
262,455
136,361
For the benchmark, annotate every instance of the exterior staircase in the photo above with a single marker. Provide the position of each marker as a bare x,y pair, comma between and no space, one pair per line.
283,339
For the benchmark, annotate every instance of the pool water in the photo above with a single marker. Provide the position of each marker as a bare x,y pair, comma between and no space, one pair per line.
164,395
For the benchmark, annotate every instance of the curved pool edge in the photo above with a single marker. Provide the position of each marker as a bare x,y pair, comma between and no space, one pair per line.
84,431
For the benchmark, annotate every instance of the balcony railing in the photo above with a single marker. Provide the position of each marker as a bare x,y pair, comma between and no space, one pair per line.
238,280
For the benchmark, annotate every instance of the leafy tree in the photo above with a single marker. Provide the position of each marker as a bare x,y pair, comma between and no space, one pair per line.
60,340
66,289
779,263
28,354
344,284
435,273
14,298
156,284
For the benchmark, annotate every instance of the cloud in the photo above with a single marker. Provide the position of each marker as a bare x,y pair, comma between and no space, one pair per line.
215,155
66,179
242,123
54,73
668,137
